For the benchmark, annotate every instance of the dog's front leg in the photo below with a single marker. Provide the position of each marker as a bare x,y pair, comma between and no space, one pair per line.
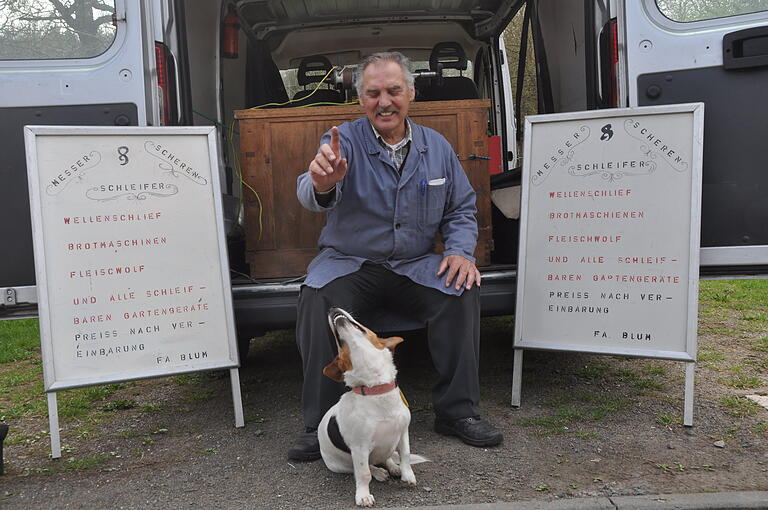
404,449
360,458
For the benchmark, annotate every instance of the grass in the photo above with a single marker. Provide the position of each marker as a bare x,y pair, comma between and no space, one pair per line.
740,406
20,340
572,409
707,353
594,370
653,370
742,382
667,420
760,345
84,463
22,392
748,296
754,316
602,370
119,405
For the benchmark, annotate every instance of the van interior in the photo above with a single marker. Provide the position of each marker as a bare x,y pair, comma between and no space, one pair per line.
303,54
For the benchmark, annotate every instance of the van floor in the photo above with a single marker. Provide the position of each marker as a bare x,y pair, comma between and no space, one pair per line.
588,426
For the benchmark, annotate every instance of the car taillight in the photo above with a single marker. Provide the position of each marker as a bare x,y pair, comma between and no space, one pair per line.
613,53
166,84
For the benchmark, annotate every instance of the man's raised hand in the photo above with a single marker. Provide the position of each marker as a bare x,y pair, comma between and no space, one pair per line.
328,167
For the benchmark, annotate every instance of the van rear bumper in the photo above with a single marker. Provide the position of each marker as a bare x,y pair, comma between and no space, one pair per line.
261,307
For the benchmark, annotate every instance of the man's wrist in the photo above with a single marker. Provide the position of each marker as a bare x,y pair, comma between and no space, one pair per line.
470,258
326,192
325,198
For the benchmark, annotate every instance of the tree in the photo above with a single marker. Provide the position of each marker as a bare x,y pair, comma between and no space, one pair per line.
55,28
695,10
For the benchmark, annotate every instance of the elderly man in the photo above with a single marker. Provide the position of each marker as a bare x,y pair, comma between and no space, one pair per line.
388,186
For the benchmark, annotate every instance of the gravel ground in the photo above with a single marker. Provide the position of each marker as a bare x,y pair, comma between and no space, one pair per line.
588,426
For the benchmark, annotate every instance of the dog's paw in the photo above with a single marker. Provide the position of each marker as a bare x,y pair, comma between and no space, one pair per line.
379,474
393,468
366,500
408,478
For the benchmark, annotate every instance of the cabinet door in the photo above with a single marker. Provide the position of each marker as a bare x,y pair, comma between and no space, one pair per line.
277,146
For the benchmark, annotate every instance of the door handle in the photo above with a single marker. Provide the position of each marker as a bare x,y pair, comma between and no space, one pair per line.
746,48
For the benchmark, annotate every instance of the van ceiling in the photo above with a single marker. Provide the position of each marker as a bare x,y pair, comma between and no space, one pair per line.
481,18
350,43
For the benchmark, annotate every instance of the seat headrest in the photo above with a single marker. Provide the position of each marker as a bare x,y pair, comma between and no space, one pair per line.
313,69
450,55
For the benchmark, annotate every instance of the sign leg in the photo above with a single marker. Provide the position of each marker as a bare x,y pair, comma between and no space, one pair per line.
689,377
517,377
53,421
237,399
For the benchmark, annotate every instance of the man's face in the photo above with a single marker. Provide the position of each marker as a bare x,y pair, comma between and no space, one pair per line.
385,97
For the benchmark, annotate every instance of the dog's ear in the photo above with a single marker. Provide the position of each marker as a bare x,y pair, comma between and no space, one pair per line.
334,371
391,342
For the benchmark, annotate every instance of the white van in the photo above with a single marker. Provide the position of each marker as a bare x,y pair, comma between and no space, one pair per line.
194,62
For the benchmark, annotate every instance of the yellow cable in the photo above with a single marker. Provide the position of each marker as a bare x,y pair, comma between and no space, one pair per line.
326,104
236,157
236,160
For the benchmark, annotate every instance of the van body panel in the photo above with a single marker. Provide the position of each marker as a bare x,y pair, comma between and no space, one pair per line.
105,90
671,62
734,181
17,266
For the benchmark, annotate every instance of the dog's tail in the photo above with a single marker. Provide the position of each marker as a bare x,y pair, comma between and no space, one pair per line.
415,459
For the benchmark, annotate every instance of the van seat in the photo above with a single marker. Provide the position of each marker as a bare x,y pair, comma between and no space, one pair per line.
449,55
312,70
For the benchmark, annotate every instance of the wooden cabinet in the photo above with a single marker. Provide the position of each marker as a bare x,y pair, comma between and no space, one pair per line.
277,145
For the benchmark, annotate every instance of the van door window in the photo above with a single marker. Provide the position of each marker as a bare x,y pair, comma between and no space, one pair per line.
686,11
63,29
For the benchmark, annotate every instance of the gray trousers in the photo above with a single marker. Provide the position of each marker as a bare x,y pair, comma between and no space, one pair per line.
453,335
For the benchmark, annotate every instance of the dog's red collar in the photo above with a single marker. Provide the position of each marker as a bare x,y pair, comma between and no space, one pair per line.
375,390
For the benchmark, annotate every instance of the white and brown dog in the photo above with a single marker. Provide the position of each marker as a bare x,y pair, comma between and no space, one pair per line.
368,426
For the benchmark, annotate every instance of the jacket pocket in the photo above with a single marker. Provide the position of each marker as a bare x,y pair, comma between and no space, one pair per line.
432,204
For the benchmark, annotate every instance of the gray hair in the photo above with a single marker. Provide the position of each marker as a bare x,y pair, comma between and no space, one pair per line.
384,56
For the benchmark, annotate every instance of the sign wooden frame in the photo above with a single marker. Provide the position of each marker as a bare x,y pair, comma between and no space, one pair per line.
97,282
581,164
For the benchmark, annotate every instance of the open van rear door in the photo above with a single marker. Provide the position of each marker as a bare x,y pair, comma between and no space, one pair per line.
702,51
75,63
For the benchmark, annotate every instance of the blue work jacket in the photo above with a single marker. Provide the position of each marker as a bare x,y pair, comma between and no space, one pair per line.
382,217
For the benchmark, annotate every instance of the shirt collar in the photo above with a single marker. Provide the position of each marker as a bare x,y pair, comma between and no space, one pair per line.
408,137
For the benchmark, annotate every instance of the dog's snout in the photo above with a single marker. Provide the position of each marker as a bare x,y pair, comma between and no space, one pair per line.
335,314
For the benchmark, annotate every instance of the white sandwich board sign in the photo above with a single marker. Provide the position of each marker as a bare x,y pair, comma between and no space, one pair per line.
130,254
609,235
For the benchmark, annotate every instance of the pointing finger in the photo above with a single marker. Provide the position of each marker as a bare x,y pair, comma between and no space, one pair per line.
335,143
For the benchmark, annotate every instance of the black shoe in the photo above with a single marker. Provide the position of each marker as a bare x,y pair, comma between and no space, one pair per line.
474,431
306,447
